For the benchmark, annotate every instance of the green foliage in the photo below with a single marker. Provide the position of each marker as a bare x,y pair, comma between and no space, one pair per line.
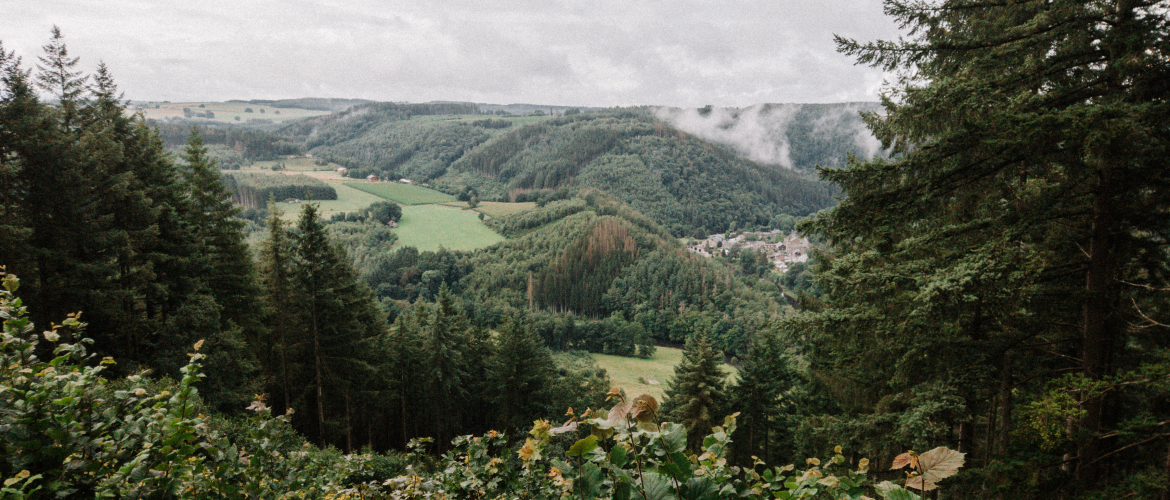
1009,243
695,395
628,453
253,190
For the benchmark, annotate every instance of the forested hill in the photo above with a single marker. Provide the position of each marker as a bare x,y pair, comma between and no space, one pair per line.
689,185
589,273
798,136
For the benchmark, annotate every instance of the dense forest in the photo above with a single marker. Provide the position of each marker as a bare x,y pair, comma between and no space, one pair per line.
691,186
992,293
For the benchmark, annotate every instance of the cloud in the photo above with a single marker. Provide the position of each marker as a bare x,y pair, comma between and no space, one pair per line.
605,53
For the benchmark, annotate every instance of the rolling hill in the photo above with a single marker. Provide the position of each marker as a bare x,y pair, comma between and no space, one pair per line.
690,185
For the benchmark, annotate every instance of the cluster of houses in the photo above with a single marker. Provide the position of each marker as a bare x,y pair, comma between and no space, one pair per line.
781,251
344,172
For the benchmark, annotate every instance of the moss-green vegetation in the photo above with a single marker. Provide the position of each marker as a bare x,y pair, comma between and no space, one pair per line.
404,194
428,227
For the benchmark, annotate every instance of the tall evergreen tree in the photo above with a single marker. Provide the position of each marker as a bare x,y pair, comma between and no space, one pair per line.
521,372
339,321
275,277
1009,256
759,395
695,395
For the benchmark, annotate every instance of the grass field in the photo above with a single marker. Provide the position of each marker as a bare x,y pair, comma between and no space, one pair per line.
427,227
404,194
348,200
227,112
624,371
496,208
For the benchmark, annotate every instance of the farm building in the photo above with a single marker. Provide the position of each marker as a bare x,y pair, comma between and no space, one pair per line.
372,178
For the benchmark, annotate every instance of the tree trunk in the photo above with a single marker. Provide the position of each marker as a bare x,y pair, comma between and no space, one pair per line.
1097,342
1005,405
348,426
320,391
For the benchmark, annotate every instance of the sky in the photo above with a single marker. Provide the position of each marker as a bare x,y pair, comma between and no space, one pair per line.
685,53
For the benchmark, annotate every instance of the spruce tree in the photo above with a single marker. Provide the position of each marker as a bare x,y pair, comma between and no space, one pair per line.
1010,253
695,395
521,375
279,348
759,393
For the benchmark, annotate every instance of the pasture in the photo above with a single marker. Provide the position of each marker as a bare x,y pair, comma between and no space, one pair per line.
225,112
496,208
427,227
624,371
403,194
348,200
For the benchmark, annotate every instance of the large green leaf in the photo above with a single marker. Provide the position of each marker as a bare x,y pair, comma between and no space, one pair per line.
583,446
588,484
657,486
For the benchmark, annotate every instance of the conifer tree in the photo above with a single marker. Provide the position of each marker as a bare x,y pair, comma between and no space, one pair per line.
275,276
521,372
695,395
445,353
338,318
759,392
1009,255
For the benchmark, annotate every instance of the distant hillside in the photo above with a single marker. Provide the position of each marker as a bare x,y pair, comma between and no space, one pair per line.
689,185
798,136
592,273
317,103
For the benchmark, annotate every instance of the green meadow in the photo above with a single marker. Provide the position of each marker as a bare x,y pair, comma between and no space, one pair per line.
226,112
624,371
428,227
348,200
403,194
496,208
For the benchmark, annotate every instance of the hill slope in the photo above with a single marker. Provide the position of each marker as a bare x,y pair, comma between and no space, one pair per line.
689,185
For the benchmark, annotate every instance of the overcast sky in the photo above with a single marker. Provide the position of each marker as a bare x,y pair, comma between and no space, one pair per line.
586,53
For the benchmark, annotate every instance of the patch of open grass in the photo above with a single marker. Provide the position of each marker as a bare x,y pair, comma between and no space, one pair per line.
403,194
624,371
226,112
495,208
348,200
427,227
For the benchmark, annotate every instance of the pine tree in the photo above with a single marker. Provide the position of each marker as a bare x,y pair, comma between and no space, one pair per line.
695,395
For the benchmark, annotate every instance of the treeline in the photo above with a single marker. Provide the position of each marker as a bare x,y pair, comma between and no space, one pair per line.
255,190
99,221
315,103
249,144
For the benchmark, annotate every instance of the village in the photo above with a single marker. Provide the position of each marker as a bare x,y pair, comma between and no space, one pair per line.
782,251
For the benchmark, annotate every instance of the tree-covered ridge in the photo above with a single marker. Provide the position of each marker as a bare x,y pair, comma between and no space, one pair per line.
598,258
796,136
689,185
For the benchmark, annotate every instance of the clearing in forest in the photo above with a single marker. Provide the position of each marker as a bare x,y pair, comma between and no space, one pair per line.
403,194
624,371
427,227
